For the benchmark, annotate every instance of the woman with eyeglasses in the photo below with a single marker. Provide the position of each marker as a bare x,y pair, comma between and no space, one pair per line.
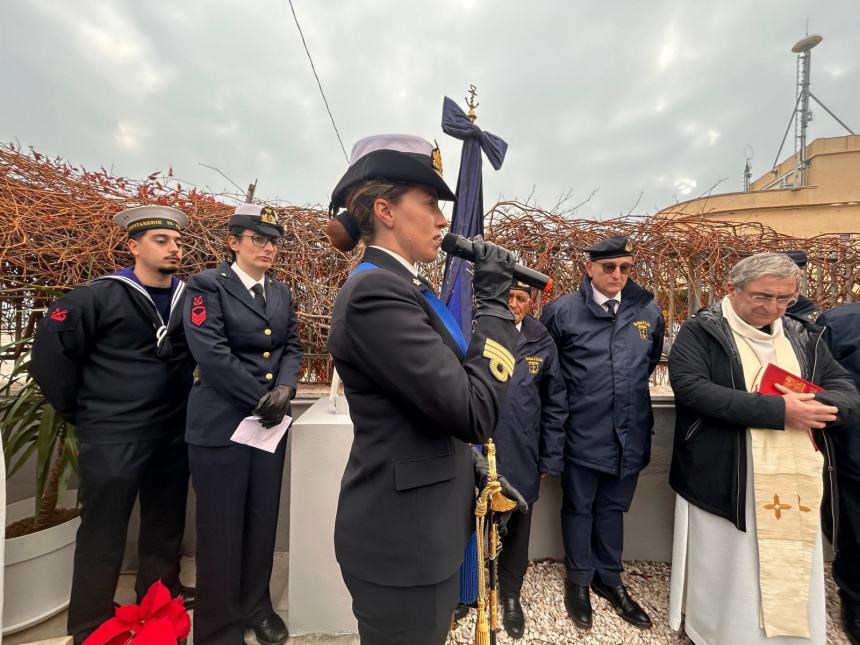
241,328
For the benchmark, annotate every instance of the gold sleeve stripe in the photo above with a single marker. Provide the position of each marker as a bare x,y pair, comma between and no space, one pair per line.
501,360
492,349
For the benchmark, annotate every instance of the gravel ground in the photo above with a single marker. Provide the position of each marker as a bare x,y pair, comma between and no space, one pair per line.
648,582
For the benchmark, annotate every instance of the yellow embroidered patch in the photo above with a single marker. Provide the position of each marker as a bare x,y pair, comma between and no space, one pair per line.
501,360
534,364
643,326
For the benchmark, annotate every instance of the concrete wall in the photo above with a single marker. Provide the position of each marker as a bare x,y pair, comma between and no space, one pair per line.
649,524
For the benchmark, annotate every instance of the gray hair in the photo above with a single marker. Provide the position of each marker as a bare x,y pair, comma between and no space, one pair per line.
777,265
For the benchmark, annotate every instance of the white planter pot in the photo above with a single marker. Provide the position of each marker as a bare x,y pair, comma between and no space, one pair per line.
38,568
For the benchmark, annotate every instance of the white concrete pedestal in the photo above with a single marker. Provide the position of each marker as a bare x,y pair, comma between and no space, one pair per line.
318,599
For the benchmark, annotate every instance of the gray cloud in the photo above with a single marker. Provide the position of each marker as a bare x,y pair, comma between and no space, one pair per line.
628,97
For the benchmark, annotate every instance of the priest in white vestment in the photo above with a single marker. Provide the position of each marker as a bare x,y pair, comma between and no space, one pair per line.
747,563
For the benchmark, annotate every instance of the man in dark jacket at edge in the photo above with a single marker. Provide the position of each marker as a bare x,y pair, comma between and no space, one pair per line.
530,442
804,308
111,357
714,409
842,334
609,334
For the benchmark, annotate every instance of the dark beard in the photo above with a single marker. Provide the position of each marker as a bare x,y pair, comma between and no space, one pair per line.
167,270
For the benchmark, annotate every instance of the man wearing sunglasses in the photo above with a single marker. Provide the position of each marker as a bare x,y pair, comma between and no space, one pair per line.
609,335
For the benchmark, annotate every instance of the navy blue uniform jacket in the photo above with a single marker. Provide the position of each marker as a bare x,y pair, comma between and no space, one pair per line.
242,351
95,359
606,362
530,435
842,333
405,511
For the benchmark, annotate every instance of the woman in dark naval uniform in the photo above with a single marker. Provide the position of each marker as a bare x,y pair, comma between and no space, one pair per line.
241,328
418,393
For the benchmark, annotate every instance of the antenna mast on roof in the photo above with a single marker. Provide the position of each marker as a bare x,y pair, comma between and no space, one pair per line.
802,115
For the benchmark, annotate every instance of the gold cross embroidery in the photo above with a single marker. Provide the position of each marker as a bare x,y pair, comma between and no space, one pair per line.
803,509
776,507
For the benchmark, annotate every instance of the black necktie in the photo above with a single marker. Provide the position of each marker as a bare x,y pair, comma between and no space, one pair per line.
258,295
611,306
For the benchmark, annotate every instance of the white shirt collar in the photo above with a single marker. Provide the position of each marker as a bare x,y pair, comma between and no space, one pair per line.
519,326
397,257
247,280
601,300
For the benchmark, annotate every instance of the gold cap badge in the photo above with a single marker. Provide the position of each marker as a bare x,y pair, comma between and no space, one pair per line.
436,156
269,216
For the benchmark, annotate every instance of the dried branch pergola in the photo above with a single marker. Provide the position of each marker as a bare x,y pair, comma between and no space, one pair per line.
55,233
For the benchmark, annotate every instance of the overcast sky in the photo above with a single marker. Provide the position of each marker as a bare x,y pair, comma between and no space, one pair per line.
659,97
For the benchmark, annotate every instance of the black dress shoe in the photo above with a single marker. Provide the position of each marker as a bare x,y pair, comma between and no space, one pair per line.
577,600
187,595
461,611
626,607
512,616
271,630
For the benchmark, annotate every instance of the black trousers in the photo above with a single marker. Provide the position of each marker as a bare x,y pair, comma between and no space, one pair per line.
592,523
238,492
400,615
846,566
514,558
112,477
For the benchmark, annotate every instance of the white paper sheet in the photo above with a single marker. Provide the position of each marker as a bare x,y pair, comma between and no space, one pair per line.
251,433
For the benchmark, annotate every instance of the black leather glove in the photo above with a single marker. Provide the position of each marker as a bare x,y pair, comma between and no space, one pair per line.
482,471
274,405
494,272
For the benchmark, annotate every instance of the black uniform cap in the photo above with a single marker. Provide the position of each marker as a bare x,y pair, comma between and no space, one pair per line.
798,257
261,219
614,247
397,157
521,286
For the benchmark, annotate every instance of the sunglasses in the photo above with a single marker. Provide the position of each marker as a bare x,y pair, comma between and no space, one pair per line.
610,267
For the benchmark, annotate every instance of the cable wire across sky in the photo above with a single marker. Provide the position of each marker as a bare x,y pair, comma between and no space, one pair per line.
319,84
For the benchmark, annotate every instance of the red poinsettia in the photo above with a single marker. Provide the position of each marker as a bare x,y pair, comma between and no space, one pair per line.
157,620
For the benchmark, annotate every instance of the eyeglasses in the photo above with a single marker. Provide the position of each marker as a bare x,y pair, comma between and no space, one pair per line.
783,302
261,240
609,267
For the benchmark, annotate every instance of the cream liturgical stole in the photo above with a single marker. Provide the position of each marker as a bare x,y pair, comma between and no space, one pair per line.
787,485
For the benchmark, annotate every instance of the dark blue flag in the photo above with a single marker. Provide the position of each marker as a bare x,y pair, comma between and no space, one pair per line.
468,216
467,220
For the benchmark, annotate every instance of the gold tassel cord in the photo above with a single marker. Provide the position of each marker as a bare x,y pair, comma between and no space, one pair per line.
482,630
490,500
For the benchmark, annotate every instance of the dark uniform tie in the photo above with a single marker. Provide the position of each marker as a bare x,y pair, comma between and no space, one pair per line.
258,295
612,306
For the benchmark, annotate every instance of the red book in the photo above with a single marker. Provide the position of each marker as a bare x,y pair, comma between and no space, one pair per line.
773,375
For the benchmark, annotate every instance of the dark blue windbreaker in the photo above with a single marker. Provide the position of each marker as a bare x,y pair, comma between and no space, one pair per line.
606,362
530,434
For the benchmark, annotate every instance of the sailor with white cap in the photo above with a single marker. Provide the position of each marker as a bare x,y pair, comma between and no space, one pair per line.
111,357
241,327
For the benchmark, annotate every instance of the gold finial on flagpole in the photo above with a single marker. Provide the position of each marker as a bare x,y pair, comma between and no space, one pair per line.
471,103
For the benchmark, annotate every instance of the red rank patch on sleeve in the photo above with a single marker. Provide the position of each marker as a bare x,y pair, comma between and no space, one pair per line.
198,311
59,315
